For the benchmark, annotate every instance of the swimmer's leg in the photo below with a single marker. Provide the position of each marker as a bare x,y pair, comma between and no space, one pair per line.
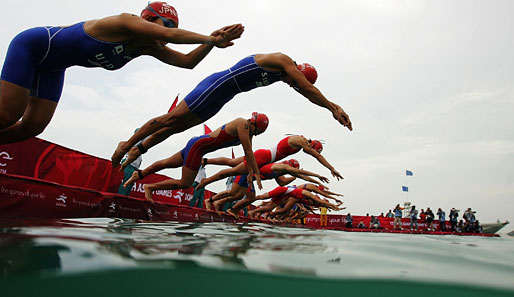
35,114
157,130
188,177
238,170
225,161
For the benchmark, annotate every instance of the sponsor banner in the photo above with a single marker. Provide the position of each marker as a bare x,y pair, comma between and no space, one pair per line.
44,160
178,197
339,221
32,198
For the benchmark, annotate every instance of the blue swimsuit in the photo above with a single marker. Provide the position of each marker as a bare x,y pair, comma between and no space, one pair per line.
37,58
213,92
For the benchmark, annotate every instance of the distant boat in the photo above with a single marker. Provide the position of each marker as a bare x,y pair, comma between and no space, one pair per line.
492,228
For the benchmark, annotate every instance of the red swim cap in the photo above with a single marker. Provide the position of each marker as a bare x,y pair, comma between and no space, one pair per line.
261,122
309,72
293,163
317,146
163,9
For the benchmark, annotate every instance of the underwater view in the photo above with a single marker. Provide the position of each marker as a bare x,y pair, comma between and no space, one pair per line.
120,257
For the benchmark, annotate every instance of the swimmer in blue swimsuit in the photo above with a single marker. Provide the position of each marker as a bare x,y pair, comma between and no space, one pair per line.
238,131
33,72
216,90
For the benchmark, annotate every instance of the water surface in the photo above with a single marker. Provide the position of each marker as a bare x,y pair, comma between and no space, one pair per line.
119,257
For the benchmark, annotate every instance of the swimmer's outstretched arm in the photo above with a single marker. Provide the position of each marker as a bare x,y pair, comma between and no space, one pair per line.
190,60
318,200
243,131
324,193
309,150
303,86
133,25
300,173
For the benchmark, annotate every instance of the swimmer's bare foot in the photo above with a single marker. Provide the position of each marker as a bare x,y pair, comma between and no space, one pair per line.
208,203
217,206
118,154
132,155
231,212
273,220
148,194
133,178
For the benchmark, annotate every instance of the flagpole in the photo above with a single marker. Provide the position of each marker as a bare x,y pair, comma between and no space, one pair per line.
406,192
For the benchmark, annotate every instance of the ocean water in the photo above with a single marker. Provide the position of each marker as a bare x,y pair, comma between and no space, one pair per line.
119,257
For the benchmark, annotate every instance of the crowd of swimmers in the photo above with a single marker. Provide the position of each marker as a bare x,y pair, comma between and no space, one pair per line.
32,81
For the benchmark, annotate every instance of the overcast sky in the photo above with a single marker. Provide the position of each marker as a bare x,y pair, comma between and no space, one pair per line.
429,87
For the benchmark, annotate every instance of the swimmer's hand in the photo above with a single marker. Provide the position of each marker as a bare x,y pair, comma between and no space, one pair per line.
336,174
224,36
323,179
341,116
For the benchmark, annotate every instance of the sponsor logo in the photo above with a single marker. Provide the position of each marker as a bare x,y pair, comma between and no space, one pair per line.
149,212
61,200
112,207
175,214
196,217
179,195
4,156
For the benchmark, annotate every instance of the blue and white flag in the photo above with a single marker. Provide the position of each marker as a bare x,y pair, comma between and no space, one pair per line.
408,172
405,189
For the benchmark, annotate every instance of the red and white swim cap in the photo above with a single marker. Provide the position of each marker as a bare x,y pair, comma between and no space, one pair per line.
308,71
317,145
261,122
163,9
292,162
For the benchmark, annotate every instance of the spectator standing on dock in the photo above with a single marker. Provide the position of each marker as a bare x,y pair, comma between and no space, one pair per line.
413,217
430,219
127,174
454,215
398,217
361,225
422,216
323,215
469,219
442,219
198,194
349,221
389,214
